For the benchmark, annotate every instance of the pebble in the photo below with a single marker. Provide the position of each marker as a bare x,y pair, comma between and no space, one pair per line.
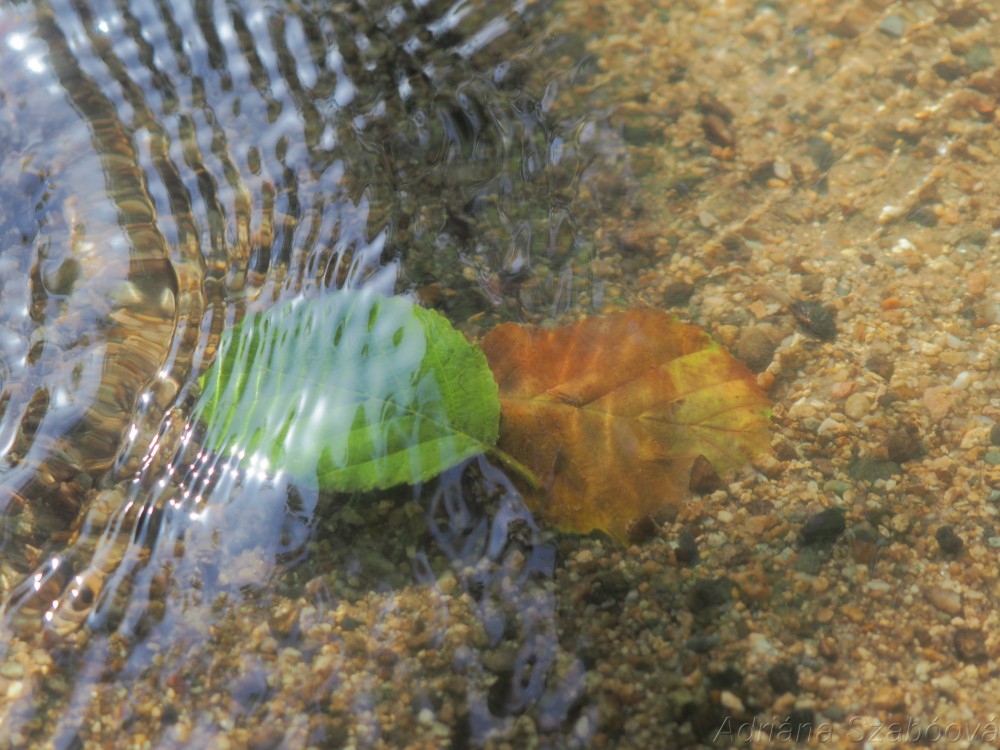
755,348
836,486
731,701
783,678
949,542
810,560
872,469
783,703
823,528
946,600
969,645
815,319
830,426
641,530
710,592
702,644
857,405
677,294
760,644
889,698
853,613
729,678
979,58
977,282
686,552
704,479
892,25
843,388
937,401
864,540
718,131
903,444
881,365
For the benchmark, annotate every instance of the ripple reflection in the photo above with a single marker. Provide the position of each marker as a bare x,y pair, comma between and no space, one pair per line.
167,169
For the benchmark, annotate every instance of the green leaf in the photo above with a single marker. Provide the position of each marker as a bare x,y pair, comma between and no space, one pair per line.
353,389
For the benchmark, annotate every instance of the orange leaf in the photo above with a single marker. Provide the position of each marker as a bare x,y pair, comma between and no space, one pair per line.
610,413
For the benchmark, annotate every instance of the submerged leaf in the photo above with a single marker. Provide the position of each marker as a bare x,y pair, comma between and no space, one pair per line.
611,413
352,390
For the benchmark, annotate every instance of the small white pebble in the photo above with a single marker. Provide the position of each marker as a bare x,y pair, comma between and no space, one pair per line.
730,701
946,684
829,425
889,213
760,643
425,717
961,380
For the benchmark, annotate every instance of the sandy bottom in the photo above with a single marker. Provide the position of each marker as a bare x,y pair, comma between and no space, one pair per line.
797,162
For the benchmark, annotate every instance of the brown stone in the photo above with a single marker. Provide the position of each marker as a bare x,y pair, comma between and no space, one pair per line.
704,478
969,645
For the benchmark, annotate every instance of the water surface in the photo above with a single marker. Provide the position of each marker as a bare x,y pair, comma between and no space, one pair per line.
167,169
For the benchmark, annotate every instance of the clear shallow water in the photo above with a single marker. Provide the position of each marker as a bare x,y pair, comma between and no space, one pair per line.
169,168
